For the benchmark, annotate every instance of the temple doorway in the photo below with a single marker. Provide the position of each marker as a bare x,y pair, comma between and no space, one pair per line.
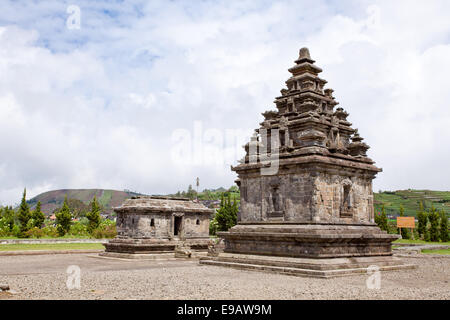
177,226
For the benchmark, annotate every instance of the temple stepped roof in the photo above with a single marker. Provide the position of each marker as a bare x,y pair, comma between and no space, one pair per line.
306,122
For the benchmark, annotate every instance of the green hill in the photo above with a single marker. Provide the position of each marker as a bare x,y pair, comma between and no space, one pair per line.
54,199
410,199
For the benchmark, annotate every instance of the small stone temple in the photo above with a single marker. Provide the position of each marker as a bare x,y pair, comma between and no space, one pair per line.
149,225
306,189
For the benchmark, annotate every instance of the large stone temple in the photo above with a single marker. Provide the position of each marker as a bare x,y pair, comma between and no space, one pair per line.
156,227
306,189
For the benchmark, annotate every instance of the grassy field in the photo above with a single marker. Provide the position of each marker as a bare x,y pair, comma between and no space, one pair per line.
410,199
51,246
47,237
418,242
442,251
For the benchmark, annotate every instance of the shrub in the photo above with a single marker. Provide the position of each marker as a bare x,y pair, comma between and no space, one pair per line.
426,236
35,232
422,221
381,220
107,222
7,220
104,232
50,231
226,215
30,224
16,232
106,229
433,216
78,229
24,215
84,221
5,230
94,216
38,216
213,226
443,230
392,227
404,231
63,219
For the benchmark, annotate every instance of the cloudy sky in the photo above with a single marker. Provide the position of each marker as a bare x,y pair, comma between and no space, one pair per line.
148,95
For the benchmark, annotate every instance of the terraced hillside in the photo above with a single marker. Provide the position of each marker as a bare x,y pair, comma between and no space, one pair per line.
54,199
410,199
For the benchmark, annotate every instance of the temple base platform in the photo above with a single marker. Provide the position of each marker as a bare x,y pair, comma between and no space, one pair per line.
129,248
314,250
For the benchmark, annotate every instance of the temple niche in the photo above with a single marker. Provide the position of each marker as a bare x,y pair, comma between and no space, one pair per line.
317,201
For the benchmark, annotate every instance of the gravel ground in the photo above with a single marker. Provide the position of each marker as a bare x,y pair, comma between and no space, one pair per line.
44,277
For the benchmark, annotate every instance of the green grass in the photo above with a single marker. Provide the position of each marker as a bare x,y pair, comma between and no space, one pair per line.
418,242
106,197
67,236
440,251
410,200
50,246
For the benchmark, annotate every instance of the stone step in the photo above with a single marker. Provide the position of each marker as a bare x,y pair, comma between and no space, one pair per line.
314,236
312,264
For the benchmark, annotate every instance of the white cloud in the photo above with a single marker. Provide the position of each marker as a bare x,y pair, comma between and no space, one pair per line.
97,107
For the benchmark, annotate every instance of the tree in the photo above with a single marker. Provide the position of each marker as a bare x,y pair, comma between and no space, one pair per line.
426,236
384,219
8,217
381,219
207,194
93,215
433,217
226,216
213,226
422,221
220,217
77,208
38,216
444,227
191,193
63,219
404,231
24,215
234,212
